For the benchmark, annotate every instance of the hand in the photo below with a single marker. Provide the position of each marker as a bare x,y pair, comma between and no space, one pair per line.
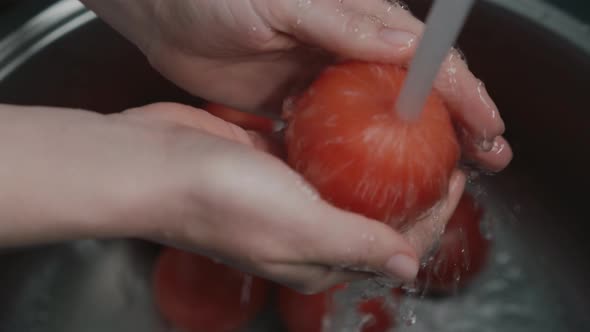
177,175
243,206
251,54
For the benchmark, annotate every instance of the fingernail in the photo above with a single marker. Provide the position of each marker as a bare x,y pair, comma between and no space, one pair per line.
402,266
401,39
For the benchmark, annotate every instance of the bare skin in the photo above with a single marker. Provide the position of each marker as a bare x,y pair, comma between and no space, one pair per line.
208,186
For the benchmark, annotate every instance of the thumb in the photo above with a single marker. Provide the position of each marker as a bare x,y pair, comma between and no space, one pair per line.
196,118
187,116
371,30
360,244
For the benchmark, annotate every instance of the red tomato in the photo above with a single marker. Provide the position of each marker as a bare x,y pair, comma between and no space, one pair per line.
397,292
196,294
245,120
346,139
309,313
462,253
303,313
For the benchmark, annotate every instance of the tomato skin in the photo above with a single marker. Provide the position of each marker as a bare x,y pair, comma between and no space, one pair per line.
303,313
462,253
245,120
196,294
306,313
344,137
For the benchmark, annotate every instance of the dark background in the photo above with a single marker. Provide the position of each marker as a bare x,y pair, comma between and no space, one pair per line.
577,8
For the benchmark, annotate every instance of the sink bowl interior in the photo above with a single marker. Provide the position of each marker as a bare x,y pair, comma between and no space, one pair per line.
537,279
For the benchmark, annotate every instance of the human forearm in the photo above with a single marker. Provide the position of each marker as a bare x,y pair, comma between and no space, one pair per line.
57,175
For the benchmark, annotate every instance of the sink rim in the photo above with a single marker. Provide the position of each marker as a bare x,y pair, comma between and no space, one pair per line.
39,32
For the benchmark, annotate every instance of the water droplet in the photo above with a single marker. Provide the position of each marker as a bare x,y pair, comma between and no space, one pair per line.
497,148
307,189
397,5
403,5
304,4
409,317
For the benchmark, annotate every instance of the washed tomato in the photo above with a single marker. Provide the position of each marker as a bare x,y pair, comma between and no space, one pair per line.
345,138
310,313
397,292
196,294
245,120
304,313
462,253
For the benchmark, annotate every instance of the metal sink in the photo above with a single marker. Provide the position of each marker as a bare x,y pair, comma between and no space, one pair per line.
535,62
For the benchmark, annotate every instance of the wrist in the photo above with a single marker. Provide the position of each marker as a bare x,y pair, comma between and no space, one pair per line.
160,198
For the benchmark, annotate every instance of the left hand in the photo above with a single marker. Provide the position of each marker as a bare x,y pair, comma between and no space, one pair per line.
251,54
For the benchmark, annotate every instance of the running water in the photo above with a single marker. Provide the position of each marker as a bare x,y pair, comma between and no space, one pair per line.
443,25
512,292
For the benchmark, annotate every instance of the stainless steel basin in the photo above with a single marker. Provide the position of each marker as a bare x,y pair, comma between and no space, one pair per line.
534,60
